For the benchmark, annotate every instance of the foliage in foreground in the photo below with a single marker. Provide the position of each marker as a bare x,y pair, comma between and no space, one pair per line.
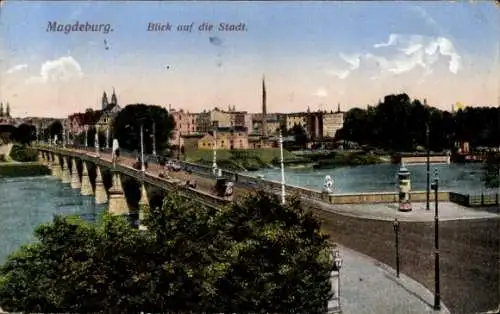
23,153
256,256
491,174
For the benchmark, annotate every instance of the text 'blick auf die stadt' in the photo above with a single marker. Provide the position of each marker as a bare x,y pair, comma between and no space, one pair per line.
80,27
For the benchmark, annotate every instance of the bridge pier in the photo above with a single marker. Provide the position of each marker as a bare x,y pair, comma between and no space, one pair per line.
75,178
66,175
56,166
143,204
86,185
41,157
117,202
101,196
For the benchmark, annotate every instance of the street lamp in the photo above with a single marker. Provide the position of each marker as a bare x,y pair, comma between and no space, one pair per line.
395,225
86,127
282,171
427,140
96,141
437,295
108,139
214,163
63,134
334,302
154,139
143,167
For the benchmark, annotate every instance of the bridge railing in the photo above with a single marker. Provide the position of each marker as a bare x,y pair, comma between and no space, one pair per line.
239,179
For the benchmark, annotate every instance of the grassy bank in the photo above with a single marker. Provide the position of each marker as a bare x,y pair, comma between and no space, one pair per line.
241,159
340,159
25,169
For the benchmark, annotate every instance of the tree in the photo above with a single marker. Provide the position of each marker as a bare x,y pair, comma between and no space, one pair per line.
55,128
300,135
253,256
491,174
126,127
25,133
275,260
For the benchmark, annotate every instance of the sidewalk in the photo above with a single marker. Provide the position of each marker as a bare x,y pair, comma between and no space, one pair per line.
389,211
368,286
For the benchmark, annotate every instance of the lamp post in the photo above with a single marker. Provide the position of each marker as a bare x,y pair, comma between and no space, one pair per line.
334,302
214,164
108,139
437,295
395,225
143,167
154,138
63,135
86,126
282,171
96,141
427,140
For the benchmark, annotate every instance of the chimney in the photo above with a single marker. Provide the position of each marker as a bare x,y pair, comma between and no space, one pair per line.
264,108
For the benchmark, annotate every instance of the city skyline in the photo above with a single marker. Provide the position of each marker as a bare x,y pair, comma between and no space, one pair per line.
311,54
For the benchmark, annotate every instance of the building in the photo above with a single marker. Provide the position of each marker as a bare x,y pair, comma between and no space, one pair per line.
296,118
109,111
227,138
332,122
185,124
273,123
207,120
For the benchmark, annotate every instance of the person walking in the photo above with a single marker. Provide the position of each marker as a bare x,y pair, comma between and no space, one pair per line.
116,151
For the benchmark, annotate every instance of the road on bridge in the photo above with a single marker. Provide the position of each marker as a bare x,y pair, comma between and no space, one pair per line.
470,250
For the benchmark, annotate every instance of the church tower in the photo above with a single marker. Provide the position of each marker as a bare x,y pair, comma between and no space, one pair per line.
264,108
104,101
114,101
1,109
7,111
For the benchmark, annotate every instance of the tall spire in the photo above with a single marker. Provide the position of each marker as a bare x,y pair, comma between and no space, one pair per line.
104,101
7,111
264,107
338,108
1,109
114,101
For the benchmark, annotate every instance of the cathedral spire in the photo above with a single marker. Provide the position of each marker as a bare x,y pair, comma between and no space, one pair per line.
7,111
104,101
114,101
1,109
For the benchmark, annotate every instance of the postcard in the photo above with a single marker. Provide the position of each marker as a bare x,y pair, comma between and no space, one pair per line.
164,156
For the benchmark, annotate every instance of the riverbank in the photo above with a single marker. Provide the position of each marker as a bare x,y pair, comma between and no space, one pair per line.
269,158
23,169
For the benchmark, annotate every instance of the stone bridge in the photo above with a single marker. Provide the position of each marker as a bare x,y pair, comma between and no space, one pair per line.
120,185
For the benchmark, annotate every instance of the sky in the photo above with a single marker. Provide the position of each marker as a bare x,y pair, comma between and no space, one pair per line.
313,54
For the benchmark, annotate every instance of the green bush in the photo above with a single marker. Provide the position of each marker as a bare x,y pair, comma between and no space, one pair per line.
23,170
23,153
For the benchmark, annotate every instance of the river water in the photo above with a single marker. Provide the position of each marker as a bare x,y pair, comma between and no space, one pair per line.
27,202
465,178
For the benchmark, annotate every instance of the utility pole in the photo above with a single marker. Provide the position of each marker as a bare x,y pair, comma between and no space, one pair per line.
437,294
427,135
396,233
282,171
214,164
143,166
154,138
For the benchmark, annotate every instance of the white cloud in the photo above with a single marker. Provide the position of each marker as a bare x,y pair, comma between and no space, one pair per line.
321,92
16,68
62,69
400,54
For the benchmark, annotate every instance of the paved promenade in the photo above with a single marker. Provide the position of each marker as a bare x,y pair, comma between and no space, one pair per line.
368,286
389,211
